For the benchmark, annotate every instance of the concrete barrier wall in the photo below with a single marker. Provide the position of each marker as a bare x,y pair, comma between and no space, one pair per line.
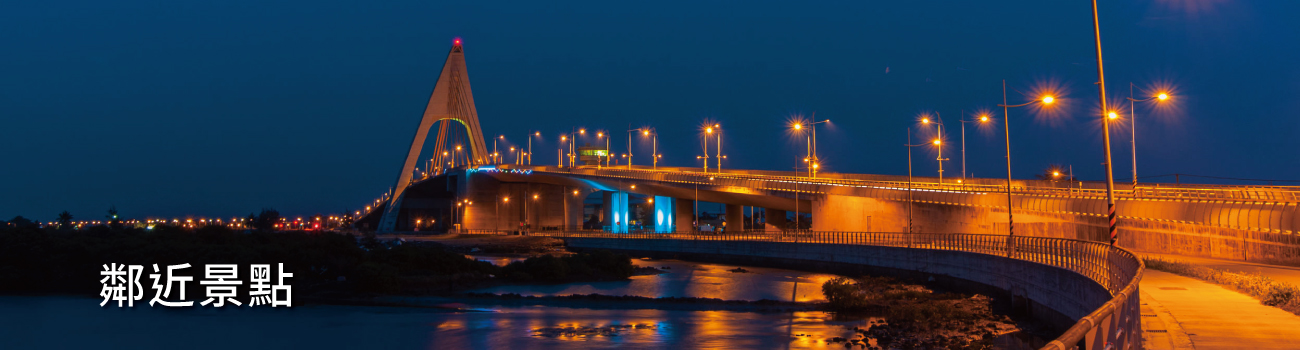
1061,218
1063,296
1242,229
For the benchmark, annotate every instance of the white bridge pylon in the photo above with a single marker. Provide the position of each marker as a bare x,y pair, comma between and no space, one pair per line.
451,104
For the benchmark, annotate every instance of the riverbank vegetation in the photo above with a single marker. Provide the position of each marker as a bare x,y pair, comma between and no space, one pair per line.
912,316
1269,291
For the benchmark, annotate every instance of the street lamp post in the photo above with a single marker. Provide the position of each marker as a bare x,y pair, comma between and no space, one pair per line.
559,152
1105,127
982,119
530,146
601,135
813,162
496,156
708,130
629,148
572,137
938,141
1132,119
654,146
528,224
719,127
909,146
1006,128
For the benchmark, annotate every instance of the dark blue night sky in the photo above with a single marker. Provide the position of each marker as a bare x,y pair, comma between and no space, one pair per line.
167,108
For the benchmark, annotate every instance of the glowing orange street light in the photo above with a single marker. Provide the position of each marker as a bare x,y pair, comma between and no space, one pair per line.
1112,115
984,118
1006,129
1132,120
812,143
936,142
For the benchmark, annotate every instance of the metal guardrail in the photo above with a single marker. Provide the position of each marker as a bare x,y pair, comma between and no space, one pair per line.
788,183
1114,325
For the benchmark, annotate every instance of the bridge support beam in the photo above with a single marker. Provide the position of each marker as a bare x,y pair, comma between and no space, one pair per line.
684,209
616,211
775,219
735,217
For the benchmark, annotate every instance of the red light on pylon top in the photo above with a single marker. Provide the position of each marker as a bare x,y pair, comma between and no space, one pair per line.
457,41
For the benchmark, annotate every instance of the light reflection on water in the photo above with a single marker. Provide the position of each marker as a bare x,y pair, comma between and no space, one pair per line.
67,322
689,279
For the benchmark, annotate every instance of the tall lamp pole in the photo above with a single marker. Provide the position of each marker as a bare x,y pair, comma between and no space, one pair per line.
982,119
909,178
1132,117
938,142
559,152
1105,127
496,158
629,148
530,146
708,131
1006,128
813,162
654,146
601,135
719,127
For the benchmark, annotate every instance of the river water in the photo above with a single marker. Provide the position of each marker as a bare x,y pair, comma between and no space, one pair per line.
687,279
79,322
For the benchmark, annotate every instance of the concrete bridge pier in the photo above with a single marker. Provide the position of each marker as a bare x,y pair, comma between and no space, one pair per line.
684,212
663,214
616,211
573,207
548,206
775,220
735,217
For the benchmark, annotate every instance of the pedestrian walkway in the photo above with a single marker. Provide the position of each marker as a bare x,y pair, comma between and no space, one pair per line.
1185,313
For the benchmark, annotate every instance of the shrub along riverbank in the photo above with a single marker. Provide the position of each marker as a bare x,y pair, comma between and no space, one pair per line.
916,317
1269,292
36,261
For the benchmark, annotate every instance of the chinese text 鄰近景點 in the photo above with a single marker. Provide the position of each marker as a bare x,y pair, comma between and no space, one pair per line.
121,283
